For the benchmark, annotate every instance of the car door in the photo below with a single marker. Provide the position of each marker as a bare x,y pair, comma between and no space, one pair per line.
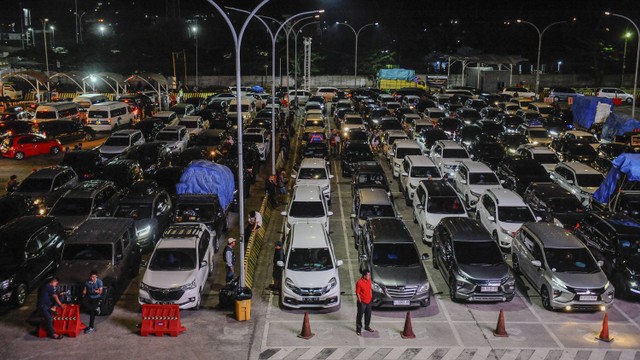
525,255
28,145
405,171
420,204
354,216
162,211
35,262
204,245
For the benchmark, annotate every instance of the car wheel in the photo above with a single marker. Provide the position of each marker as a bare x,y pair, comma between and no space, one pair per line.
515,264
19,155
20,295
556,99
452,289
109,302
546,300
433,258
87,137
629,100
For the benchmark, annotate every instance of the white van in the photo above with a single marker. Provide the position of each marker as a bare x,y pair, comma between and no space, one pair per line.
109,116
63,110
85,101
248,109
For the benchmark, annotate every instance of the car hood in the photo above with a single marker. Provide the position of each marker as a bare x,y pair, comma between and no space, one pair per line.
168,279
113,149
511,227
399,276
311,279
72,222
582,280
479,189
434,219
549,167
569,219
488,272
77,271
322,183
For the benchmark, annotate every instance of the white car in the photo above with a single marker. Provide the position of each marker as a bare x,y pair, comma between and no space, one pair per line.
389,137
515,92
581,179
613,93
415,168
327,92
194,124
433,201
314,171
584,136
541,154
259,137
502,212
472,178
310,277
176,138
302,97
446,154
400,149
416,125
120,142
183,109
179,267
307,204
352,121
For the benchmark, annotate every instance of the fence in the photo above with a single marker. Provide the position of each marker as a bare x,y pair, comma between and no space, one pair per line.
254,245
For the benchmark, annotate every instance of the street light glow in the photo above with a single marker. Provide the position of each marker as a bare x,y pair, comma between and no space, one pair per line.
628,34
607,13
194,29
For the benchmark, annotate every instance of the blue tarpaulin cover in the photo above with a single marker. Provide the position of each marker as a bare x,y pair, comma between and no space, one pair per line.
619,124
628,164
584,109
396,74
257,88
206,177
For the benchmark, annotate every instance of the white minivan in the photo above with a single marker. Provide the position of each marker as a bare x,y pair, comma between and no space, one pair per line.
109,116
85,101
63,110
314,171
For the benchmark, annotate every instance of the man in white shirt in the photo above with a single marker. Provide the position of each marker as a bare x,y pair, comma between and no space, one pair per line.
255,222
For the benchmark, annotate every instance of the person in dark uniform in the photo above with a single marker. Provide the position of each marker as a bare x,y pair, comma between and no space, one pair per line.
229,259
12,184
278,255
47,299
92,293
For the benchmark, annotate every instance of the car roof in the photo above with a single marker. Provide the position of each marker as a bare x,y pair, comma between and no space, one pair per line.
397,133
406,143
24,227
578,167
466,229
163,113
313,163
125,132
87,188
506,197
48,172
550,190
389,230
476,166
101,230
438,188
419,160
377,196
181,235
308,235
307,193
622,223
449,144
173,128
552,236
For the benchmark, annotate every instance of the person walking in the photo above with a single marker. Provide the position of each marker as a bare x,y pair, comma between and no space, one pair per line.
364,295
47,299
229,259
271,189
336,145
278,255
92,294
282,186
12,184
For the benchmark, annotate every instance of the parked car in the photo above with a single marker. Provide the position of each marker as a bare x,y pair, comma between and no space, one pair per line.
45,186
15,206
314,171
543,155
122,172
26,145
150,127
613,93
471,179
352,153
517,173
578,178
307,204
86,163
64,130
183,109
369,175
370,203
120,142
150,156
259,137
554,204
415,168
574,150
562,93
175,137
446,154
206,209
194,124
433,201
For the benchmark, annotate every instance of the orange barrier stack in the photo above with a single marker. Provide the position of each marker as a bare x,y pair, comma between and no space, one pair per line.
161,319
67,322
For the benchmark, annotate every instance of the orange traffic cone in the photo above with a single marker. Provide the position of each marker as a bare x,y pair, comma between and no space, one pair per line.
306,328
407,333
604,333
500,330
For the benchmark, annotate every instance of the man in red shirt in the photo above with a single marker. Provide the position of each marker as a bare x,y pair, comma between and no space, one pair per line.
365,295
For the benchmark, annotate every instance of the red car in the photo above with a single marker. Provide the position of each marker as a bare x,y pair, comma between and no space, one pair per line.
24,145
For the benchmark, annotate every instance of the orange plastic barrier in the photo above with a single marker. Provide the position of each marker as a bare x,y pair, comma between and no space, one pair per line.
161,319
67,322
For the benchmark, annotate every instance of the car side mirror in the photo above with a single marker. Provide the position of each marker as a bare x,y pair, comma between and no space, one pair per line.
329,213
203,263
364,257
331,176
283,213
353,216
404,174
536,263
425,256
538,218
293,176
338,263
502,181
600,263
570,182
280,263
463,181
491,218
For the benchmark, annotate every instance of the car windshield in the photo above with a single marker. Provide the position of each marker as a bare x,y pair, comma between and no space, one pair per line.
589,180
209,140
487,178
425,172
545,110
546,158
573,260
391,125
488,150
400,255
367,211
218,124
512,121
314,259
455,154
402,152
87,252
167,136
255,138
193,212
312,174
538,133
168,259
306,209
630,245
180,110
477,253
45,115
444,205
357,135
582,149
117,141
134,211
515,214
189,124
569,204
35,185
353,121
72,207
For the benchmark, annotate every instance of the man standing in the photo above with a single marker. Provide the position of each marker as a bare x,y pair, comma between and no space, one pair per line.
278,255
12,184
47,299
364,295
92,294
255,222
229,259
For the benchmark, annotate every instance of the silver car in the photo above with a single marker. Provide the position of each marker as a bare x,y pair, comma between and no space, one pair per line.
560,268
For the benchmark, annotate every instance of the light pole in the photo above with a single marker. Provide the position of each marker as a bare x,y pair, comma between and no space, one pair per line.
626,37
33,37
194,31
78,26
295,56
46,52
53,36
357,34
540,33
635,76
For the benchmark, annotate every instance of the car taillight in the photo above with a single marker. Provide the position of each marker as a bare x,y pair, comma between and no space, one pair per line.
87,176
109,121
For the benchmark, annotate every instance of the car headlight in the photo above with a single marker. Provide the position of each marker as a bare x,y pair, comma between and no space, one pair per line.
607,285
289,283
557,222
507,232
332,283
376,287
5,284
144,232
535,143
474,193
189,286
38,201
144,286
423,288
513,151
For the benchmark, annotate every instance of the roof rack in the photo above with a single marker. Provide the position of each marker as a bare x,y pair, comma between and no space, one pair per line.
183,231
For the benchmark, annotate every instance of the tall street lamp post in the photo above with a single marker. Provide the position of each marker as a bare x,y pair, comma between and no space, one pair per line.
540,34
635,76
626,37
53,36
194,31
357,34
46,52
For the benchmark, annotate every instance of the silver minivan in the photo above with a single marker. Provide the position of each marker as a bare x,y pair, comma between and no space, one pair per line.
560,268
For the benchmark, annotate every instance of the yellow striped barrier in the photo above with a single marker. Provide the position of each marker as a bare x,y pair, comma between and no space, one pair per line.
254,245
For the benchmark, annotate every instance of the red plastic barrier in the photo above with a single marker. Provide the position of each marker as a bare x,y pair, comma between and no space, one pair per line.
617,101
161,319
67,322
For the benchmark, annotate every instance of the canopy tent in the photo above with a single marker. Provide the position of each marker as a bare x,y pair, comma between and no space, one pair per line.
506,61
34,78
157,81
625,168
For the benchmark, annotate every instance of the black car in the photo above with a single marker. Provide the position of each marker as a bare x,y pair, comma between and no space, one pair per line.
250,157
151,156
468,115
556,125
86,163
367,175
429,136
511,141
574,150
490,113
47,185
518,173
197,102
203,208
15,206
248,175
607,152
168,177
509,122
466,134
449,125
490,127
389,123
355,135
477,104
491,153
314,150
64,130
150,127
142,105
554,204
30,249
188,155
15,127
211,138
352,153
614,239
123,172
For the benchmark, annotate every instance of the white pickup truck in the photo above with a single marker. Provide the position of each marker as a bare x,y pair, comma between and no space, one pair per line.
9,92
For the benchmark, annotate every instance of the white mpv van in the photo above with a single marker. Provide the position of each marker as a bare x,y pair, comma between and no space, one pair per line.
109,116
63,110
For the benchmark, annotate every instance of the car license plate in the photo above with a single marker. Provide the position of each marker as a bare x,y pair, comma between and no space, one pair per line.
311,299
588,298
488,289
401,302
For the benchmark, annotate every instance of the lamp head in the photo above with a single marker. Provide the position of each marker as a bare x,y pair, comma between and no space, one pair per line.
607,13
321,11
519,21
376,24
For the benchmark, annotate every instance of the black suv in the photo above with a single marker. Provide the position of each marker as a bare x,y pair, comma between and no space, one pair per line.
123,172
150,127
574,150
369,175
64,130
46,185
614,239
30,249
15,206
107,245
518,173
86,163
151,156
205,209
554,204
352,153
